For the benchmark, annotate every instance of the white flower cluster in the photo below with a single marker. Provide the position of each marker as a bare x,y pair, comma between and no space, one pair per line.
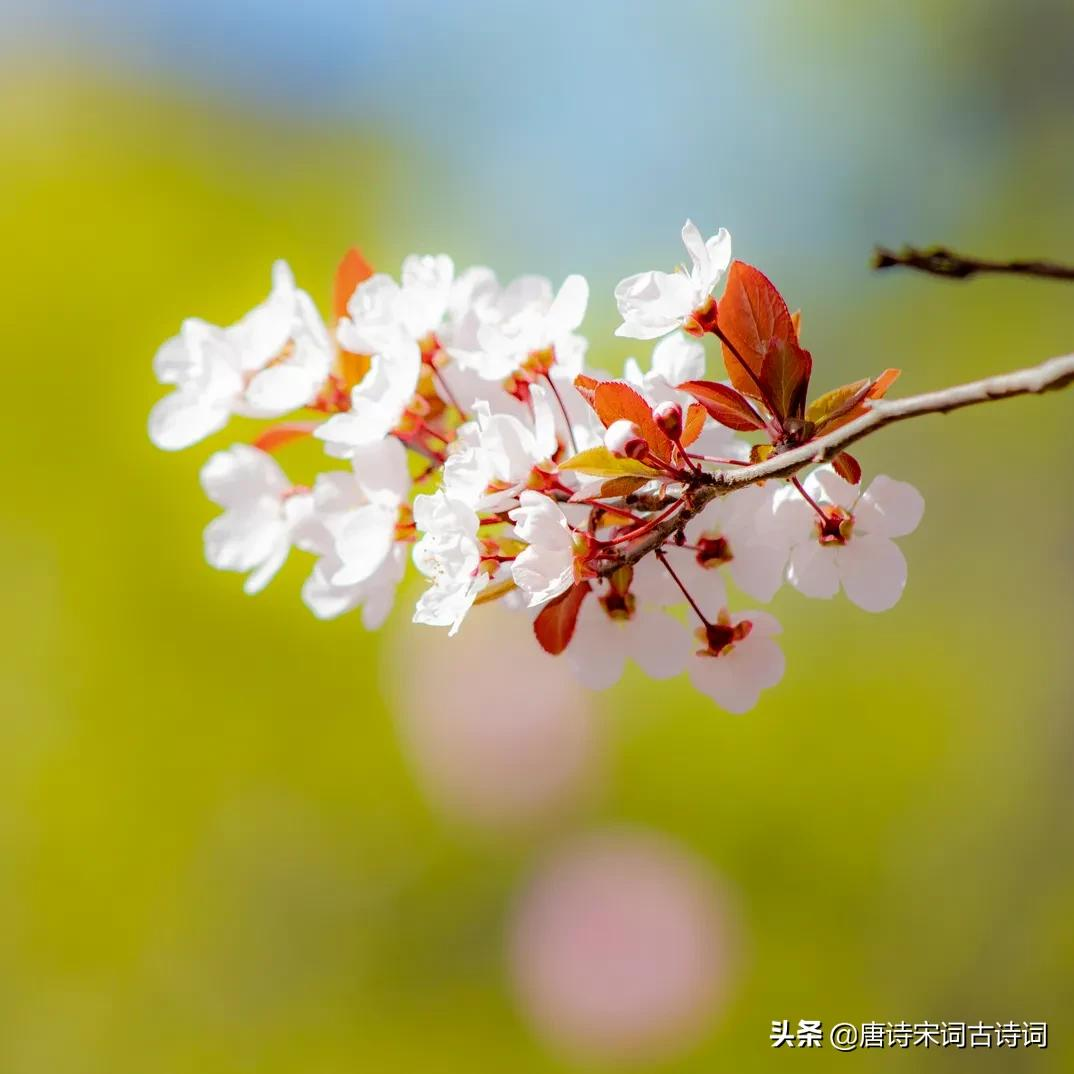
468,434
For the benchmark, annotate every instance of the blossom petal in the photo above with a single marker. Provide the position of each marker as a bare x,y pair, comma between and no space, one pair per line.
183,418
828,485
890,508
873,572
813,570
596,653
568,307
659,645
241,476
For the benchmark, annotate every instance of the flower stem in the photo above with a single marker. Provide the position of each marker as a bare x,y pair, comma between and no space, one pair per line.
662,556
563,411
649,525
716,459
809,499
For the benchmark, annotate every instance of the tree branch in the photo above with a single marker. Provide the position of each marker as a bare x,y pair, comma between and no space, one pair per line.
939,261
1052,375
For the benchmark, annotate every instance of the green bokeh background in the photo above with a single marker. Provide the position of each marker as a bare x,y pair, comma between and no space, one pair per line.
214,853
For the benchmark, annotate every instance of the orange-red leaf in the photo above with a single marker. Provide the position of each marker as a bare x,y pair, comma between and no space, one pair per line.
554,626
696,416
785,374
877,389
278,435
353,270
847,467
614,400
586,387
726,405
751,314
883,382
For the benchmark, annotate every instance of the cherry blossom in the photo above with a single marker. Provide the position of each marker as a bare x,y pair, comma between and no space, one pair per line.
613,627
272,361
377,403
262,511
655,303
449,554
735,532
500,450
546,567
854,546
382,312
738,659
505,327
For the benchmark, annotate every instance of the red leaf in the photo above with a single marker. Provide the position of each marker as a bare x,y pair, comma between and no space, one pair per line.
696,416
726,405
554,626
353,270
614,399
785,374
586,387
278,435
847,467
751,314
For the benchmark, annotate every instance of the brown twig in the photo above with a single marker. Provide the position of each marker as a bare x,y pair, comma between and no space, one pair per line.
1052,375
939,261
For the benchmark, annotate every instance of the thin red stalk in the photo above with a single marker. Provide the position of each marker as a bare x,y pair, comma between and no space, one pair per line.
563,410
716,459
621,511
662,556
809,499
686,455
650,524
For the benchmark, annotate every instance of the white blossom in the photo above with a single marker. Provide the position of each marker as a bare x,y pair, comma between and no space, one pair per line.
655,303
382,312
449,553
262,513
339,497
273,360
378,401
500,450
858,551
734,531
546,567
505,325
735,677
604,638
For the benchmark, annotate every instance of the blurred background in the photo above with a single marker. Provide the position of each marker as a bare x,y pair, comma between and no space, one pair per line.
234,839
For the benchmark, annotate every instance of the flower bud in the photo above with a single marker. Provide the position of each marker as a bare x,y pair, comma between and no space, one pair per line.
624,438
668,416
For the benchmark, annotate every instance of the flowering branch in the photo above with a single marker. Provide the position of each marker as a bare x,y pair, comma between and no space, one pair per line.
939,261
1051,375
463,430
